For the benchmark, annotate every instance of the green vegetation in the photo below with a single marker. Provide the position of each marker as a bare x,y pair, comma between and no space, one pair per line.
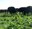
15,21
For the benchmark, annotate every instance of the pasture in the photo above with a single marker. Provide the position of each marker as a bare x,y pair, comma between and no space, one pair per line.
15,21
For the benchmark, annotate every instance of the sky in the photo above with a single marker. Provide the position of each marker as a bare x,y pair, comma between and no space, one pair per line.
4,4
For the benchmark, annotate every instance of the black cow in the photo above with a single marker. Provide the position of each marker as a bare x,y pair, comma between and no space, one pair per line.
12,10
25,10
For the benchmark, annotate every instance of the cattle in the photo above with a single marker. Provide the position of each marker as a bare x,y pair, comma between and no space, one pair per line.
12,10
25,10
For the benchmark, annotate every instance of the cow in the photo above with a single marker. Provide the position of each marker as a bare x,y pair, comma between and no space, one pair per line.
12,10
25,10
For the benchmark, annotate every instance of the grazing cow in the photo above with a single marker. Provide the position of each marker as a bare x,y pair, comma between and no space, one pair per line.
25,10
12,10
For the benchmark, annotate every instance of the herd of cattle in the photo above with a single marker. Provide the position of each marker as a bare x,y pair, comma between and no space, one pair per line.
24,10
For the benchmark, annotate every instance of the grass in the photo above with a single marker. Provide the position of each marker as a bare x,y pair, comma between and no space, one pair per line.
15,21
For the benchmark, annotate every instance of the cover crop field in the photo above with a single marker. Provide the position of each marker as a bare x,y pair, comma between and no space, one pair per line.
15,21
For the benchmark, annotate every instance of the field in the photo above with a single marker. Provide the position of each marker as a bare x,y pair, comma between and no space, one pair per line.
15,21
